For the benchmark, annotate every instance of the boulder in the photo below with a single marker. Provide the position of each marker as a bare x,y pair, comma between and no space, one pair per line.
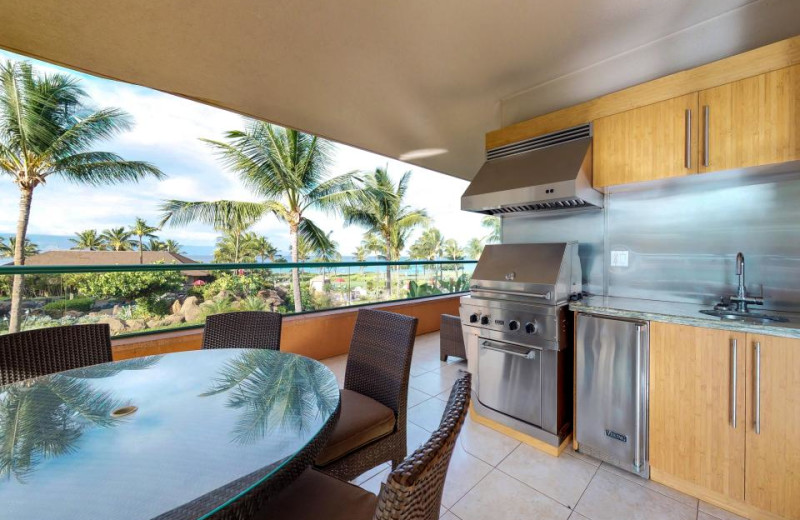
172,320
151,324
176,307
190,310
134,325
114,324
222,296
116,309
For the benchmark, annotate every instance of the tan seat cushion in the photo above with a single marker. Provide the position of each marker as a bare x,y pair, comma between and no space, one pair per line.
362,421
316,496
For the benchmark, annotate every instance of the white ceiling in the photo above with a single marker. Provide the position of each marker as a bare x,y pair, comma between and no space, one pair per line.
392,77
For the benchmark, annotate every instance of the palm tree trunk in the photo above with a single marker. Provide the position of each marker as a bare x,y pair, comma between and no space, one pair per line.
298,304
141,252
25,197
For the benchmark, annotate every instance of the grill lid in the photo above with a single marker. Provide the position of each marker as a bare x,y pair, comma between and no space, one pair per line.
543,273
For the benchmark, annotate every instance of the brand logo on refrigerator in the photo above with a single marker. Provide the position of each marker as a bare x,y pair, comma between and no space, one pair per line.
617,436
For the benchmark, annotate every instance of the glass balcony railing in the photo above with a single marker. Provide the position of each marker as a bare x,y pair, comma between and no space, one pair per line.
143,299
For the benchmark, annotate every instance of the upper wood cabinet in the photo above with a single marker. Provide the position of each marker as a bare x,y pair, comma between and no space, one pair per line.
751,122
647,143
773,425
693,436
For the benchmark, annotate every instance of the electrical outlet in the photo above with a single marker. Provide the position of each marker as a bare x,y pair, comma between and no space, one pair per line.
619,259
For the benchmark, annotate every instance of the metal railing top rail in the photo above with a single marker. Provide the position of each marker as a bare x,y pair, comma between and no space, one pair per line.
117,268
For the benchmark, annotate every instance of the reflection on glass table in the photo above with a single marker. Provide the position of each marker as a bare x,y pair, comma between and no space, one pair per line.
139,438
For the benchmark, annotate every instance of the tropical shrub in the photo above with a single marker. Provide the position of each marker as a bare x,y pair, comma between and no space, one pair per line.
237,285
127,285
57,308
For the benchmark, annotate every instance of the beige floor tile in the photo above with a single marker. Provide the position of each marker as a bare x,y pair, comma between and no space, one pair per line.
432,383
373,485
416,436
611,497
369,474
488,445
442,511
415,397
718,513
424,365
500,497
577,516
449,516
451,369
418,370
563,478
585,458
427,414
464,472
655,486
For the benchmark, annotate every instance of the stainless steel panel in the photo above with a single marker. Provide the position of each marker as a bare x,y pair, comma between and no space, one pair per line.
612,390
549,321
511,379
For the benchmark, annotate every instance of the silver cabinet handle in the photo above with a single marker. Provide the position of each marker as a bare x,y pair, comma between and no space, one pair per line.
688,162
757,378
706,113
544,296
488,346
734,376
637,442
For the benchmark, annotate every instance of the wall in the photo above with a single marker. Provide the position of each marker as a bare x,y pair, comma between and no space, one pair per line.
682,236
316,335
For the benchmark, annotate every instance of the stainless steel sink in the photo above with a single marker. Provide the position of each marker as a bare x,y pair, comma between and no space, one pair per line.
752,317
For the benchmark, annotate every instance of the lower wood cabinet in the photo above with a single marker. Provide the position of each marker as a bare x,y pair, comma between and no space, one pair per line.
731,440
772,477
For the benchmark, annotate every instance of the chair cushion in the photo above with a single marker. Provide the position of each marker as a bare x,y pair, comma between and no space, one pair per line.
362,421
316,496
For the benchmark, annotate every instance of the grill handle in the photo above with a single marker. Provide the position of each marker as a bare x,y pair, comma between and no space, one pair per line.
543,296
488,346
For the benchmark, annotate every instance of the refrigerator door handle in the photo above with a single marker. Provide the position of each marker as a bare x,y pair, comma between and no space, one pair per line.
637,447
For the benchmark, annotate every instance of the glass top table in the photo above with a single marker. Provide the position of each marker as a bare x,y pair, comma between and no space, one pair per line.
141,438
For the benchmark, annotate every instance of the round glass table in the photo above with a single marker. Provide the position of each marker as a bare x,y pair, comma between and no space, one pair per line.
142,438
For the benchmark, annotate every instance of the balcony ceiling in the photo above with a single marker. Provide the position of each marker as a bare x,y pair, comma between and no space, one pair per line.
416,80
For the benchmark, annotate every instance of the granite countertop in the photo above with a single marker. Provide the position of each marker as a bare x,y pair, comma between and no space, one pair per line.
684,314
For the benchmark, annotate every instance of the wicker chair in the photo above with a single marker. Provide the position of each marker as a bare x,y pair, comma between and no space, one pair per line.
451,339
39,352
249,329
375,388
413,491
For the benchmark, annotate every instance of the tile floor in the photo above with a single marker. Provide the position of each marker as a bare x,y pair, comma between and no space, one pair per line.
494,477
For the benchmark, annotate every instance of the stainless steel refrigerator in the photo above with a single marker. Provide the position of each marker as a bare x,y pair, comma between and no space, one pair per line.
612,370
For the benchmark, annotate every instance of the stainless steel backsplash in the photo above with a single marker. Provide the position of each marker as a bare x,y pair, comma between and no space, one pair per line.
682,237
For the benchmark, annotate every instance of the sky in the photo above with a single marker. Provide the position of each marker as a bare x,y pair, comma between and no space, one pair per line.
166,133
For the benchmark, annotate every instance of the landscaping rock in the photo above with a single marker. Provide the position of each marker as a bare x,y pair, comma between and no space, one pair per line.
222,296
114,324
134,325
172,320
73,314
176,307
190,310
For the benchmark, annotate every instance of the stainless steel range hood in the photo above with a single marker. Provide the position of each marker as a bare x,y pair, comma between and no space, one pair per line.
552,172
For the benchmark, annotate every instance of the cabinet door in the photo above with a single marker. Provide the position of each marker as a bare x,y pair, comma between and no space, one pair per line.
647,143
773,449
751,122
692,436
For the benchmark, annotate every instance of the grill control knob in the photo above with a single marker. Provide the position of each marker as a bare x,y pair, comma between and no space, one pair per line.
484,320
473,318
530,328
513,324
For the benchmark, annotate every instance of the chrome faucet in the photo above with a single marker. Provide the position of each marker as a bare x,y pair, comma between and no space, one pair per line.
741,298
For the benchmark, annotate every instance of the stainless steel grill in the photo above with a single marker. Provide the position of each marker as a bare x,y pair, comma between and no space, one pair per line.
518,333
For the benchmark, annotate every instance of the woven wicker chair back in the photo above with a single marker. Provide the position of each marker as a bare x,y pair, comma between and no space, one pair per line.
413,491
379,360
39,352
248,329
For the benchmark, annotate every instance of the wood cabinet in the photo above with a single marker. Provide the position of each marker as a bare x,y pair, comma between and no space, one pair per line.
752,467
772,479
692,435
751,122
647,143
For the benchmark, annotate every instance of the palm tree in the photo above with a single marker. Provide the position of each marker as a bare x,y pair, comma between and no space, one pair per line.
382,212
284,167
428,247
232,248
141,230
361,253
47,130
493,224
451,250
172,246
7,250
117,239
255,383
264,249
474,248
87,240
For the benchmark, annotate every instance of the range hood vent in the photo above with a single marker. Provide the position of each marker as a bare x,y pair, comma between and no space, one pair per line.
551,172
